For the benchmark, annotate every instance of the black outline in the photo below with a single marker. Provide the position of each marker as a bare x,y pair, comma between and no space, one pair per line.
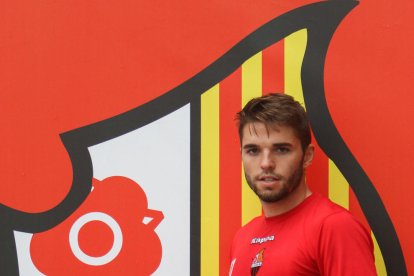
321,20
330,140
195,175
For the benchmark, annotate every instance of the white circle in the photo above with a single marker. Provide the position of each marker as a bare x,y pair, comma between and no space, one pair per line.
112,253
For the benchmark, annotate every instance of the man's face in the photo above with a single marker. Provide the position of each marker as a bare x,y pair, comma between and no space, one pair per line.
273,160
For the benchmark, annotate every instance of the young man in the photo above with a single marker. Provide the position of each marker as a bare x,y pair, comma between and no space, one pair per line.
300,233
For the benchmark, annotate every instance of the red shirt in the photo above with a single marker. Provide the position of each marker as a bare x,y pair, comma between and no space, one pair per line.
317,237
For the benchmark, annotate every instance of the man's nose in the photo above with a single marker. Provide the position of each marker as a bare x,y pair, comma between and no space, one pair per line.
267,162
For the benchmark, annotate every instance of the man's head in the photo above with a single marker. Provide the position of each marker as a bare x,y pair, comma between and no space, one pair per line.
275,145
276,109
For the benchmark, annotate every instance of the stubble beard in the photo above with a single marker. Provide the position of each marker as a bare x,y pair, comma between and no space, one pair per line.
287,186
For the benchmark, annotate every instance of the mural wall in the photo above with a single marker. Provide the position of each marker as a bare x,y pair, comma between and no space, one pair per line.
119,149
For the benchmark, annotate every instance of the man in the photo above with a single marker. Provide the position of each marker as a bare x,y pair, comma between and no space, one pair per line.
300,233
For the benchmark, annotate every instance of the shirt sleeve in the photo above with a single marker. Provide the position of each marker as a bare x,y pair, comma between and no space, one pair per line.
345,247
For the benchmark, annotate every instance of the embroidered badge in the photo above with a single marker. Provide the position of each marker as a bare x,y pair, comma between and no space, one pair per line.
257,263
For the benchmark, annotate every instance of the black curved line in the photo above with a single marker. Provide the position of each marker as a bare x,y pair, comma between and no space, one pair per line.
8,263
330,13
195,187
77,141
335,148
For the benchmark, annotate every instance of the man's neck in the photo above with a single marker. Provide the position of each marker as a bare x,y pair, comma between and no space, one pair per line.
286,204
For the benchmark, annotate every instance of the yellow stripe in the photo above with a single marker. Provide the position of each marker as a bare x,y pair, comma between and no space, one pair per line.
379,260
338,186
251,87
210,182
295,45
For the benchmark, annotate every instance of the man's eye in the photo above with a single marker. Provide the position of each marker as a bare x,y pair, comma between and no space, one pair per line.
282,150
252,151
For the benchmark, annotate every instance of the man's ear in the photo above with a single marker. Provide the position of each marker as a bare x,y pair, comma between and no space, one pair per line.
308,157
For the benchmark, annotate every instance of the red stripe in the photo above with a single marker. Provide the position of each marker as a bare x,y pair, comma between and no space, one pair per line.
230,167
317,175
273,68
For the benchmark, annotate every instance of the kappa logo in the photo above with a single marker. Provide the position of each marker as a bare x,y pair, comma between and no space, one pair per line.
262,240
257,263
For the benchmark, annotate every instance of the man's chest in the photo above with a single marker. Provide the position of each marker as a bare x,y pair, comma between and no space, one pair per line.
274,252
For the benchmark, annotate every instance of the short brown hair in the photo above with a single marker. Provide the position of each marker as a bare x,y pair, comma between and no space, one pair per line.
273,109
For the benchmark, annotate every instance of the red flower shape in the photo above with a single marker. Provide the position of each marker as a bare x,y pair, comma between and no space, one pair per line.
107,235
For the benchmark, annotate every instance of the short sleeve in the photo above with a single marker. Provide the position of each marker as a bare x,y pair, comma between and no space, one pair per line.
345,247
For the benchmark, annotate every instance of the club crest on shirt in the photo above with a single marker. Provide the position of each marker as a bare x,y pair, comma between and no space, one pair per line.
257,262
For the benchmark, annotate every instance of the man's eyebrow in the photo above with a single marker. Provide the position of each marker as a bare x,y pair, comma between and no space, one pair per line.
249,146
275,145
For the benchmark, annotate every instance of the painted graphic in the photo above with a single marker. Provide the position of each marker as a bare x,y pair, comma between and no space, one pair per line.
106,235
125,138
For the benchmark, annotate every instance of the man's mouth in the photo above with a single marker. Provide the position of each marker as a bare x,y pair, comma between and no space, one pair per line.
269,178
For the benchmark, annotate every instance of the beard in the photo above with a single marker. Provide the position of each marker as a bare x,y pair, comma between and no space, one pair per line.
288,185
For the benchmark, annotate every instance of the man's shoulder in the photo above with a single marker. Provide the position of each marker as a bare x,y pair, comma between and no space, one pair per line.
342,243
333,217
323,207
324,212
343,223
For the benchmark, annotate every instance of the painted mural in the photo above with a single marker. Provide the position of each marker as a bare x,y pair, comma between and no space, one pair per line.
120,153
